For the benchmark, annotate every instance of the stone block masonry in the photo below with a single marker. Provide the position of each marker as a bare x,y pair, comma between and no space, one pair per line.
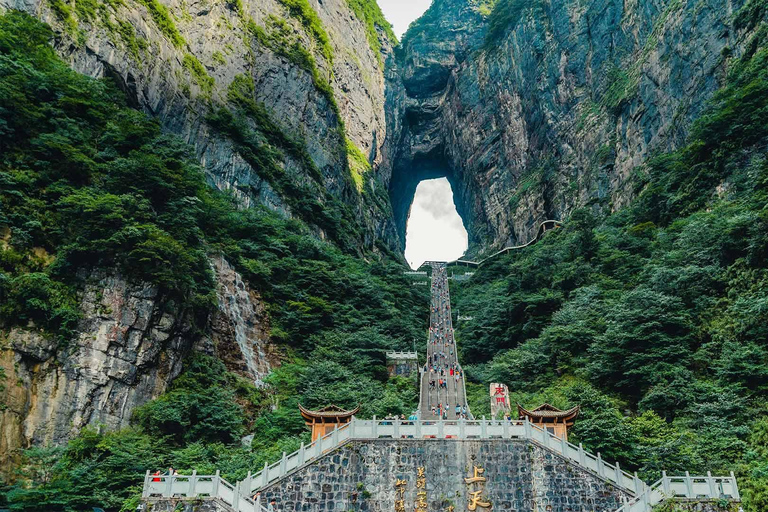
511,475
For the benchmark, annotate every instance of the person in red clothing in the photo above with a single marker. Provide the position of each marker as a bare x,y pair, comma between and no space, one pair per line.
156,476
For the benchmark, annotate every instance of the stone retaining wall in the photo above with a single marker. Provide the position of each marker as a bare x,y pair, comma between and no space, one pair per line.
518,476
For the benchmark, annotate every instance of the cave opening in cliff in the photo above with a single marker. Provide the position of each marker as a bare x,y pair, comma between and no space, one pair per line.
434,229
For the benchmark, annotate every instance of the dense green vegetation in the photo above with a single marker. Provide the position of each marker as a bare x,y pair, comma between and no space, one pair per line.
653,318
199,74
505,16
302,11
369,12
164,21
88,183
358,164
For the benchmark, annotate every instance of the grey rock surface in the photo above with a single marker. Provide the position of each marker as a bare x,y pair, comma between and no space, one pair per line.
127,351
131,344
558,112
155,79
239,328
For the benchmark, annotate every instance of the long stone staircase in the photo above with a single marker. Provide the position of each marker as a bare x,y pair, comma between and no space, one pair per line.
443,393
444,417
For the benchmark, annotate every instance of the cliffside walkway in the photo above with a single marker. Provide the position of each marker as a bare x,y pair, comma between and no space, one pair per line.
544,226
442,389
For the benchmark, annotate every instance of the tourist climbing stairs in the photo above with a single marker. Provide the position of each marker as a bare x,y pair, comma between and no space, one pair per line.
443,393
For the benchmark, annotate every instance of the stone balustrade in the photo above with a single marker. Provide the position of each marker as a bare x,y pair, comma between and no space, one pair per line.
448,429
641,496
199,486
689,487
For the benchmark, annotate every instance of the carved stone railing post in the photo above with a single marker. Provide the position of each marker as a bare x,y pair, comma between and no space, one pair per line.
169,486
712,486
193,481
145,493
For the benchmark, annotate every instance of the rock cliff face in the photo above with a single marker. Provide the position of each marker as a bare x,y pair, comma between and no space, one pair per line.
239,329
274,101
554,110
130,346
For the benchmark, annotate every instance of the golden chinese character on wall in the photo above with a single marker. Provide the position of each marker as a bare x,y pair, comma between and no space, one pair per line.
421,490
399,495
475,487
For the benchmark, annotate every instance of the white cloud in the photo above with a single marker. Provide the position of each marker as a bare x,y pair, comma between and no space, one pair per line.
400,13
435,230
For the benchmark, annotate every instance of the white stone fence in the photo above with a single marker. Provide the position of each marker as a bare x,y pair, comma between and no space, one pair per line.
199,486
687,487
402,356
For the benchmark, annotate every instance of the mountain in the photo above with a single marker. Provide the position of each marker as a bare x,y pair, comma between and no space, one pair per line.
203,209
281,105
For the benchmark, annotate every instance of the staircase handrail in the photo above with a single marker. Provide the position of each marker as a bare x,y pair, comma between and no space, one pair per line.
199,486
691,487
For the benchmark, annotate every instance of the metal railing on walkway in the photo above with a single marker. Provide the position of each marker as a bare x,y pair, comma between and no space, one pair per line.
544,225
443,429
689,487
199,486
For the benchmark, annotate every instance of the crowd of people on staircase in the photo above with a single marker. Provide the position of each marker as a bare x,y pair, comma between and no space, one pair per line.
442,371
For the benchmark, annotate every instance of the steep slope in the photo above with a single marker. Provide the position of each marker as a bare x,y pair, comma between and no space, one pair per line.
535,109
653,317
113,276
282,100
